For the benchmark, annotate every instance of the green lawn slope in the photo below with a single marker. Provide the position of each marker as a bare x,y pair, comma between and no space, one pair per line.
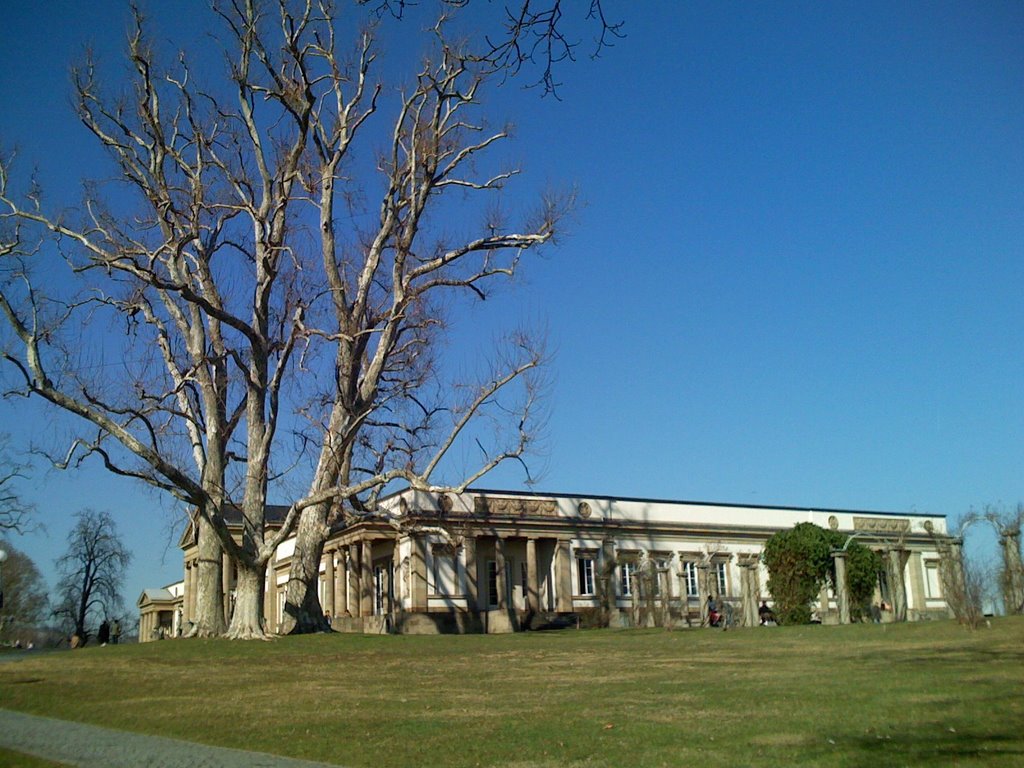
929,694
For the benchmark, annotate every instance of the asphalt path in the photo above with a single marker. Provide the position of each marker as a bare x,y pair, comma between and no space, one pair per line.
78,744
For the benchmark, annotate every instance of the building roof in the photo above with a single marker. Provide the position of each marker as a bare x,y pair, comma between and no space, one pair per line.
687,502
155,596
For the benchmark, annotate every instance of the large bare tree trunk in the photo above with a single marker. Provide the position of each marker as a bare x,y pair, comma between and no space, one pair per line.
302,610
247,618
209,617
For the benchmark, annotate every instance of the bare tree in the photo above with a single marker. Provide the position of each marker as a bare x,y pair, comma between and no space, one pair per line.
205,262
391,414
91,571
15,514
961,581
532,35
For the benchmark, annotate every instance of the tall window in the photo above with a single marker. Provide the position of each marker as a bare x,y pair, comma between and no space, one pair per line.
492,583
883,586
627,573
585,574
720,576
932,578
690,577
445,572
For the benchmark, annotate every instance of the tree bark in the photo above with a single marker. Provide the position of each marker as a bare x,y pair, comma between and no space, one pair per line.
247,618
208,620
303,613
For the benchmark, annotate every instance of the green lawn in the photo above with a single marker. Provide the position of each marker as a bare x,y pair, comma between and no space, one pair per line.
863,695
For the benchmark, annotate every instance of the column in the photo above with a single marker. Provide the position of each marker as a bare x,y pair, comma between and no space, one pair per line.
355,602
225,575
532,590
472,582
192,594
956,588
895,560
270,597
748,585
341,582
704,580
329,584
396,576
366,579
418,573
1013,569
186,613
563,577
499,564
917,583
842,588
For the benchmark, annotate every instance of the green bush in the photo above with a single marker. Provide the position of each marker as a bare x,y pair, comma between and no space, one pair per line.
800,563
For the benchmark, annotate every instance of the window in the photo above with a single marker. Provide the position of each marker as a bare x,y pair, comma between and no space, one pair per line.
492,583
445,572
883,586
720,577
932,579
690,577
627,573
585,574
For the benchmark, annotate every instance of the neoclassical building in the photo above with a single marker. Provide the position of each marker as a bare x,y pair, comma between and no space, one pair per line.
498,561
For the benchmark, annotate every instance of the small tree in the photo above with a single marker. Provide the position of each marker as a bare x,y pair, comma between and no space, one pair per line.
23,591
91,571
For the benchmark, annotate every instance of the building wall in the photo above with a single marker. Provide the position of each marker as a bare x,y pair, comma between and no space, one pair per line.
442,564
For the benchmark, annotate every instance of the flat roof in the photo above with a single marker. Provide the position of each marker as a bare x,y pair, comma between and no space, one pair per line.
682,502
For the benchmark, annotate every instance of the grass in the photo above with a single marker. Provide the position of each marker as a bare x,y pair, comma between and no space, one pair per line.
863,695
11,759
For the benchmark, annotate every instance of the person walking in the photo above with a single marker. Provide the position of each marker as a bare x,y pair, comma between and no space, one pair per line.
115,631
103,636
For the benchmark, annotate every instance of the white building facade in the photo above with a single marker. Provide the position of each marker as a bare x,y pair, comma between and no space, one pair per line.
498,561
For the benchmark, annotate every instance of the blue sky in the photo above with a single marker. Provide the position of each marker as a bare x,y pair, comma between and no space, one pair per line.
794,277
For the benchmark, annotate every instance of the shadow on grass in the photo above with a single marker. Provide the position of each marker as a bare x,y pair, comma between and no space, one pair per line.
949,748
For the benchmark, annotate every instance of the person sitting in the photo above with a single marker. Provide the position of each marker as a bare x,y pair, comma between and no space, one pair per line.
714,617
766,615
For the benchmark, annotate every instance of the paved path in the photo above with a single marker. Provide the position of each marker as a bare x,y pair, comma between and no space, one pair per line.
89,745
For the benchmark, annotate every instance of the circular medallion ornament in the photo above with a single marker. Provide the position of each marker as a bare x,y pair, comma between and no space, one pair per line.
583,509
833,522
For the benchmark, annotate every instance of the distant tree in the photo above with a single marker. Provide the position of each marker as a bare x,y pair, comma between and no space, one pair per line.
91,572
23,591
799,562
15,513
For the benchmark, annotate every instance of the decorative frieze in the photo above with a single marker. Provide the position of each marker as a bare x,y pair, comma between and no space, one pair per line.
486,506
881,524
